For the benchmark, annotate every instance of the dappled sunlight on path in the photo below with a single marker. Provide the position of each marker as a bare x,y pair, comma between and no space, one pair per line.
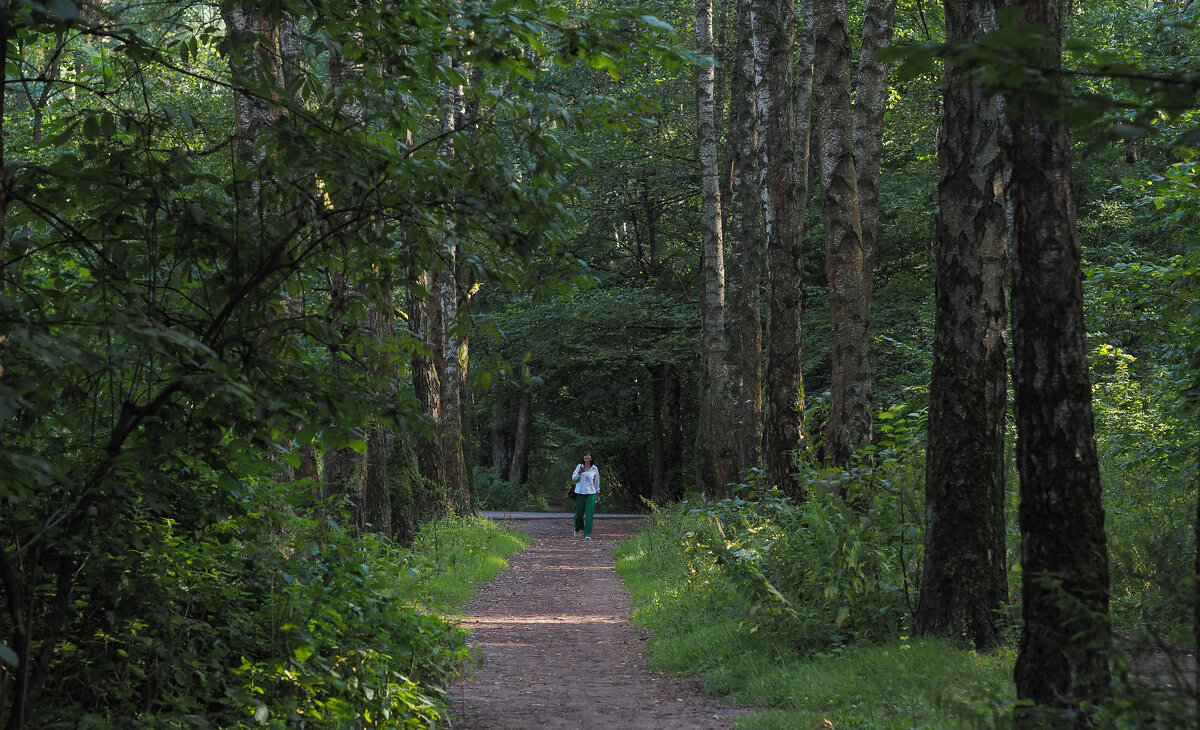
559,649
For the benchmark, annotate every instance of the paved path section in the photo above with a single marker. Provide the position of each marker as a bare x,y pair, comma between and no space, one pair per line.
559,648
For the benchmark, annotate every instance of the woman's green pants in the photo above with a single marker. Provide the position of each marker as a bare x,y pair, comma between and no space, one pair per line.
585,509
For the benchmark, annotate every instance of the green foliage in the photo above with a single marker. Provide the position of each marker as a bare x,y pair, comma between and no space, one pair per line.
493,493
173,352
698,619
263,623
838,568
594,352
245,627
455,555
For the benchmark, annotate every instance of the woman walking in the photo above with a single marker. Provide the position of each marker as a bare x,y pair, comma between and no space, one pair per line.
587,486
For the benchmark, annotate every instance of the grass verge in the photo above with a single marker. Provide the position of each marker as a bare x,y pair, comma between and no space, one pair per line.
455,556
696,622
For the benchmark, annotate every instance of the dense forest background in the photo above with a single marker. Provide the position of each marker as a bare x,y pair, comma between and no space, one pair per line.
282,284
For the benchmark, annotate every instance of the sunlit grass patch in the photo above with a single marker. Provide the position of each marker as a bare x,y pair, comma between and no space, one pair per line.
454,557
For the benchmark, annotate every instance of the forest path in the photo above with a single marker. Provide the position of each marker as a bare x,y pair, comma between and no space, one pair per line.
559,647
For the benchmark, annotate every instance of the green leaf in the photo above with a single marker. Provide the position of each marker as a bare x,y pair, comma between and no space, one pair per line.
91,127
654,22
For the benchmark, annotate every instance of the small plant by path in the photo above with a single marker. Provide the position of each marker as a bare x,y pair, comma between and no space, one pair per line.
559,649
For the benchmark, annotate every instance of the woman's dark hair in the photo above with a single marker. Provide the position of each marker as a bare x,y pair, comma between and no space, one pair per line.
587,453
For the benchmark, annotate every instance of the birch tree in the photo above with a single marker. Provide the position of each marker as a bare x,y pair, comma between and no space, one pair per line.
743,319
870,107
784,101
713,468
964,583
1066,637
849,425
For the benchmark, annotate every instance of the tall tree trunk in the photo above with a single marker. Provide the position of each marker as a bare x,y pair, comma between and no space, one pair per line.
518,472
254,62
374,506
1196,564
721,55
743,320
673,427
713,469
964,581
1066,636
451,298
849,427
870,105
363,476
453,368
498,430
425,320
658,449
785,107
6,176
409,496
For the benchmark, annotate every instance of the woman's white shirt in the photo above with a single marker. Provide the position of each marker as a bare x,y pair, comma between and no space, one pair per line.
587,480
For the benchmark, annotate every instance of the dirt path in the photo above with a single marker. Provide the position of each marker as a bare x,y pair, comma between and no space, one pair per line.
560,649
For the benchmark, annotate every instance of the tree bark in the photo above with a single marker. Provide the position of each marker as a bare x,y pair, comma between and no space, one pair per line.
870,106
451,299
451,437
425,320
255,63
1066,636
658,448
363,476
498,431
964,582
409,496
713,469
1196,565
518,471
849,427
673,425
743,319
785,109
6,175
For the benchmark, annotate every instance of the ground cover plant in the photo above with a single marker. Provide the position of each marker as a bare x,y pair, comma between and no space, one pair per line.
261,621
702,621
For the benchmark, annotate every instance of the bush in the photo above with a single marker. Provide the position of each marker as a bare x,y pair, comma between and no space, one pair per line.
494,493
270,620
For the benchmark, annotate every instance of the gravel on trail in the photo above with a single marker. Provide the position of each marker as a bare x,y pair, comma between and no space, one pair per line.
559,647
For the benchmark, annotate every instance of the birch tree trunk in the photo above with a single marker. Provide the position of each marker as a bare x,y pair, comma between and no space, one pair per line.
849,427
743,319
713,469
964,581
870,106
784,107
1066,637
454,360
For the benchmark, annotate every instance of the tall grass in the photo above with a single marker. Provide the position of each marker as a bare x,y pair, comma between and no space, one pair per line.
702,622
456,555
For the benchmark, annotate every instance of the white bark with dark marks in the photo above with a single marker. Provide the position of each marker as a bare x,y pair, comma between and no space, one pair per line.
849,425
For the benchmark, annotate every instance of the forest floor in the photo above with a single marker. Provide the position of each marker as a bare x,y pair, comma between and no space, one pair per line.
559,647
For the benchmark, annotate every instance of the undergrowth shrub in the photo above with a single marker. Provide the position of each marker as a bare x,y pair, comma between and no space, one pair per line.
494,493
269,619
837,568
